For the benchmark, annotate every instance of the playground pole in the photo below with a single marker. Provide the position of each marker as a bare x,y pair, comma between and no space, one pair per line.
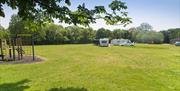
33,48
20,45
13,48
2,54
18,48
10,53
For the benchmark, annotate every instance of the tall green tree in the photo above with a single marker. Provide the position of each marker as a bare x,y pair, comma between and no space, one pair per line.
133,32
151,37
74,34
118,34
145,27
3,32
19,26
88,35
16,25
53,34
103,33
166,36
174,33
171,34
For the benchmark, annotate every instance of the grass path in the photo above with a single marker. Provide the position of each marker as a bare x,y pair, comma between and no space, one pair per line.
93,68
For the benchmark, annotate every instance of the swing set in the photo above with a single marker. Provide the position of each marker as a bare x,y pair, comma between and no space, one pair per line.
17,47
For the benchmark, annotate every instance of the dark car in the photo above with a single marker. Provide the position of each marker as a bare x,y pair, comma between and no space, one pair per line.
177,44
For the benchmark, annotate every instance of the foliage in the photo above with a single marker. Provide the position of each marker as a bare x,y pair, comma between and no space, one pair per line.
133,32
103,33
150,37
45,10
145,27
74,34
171,34
50,33
77,34
174,33
19,26
3,32
145,34
124,34
166,36
88,35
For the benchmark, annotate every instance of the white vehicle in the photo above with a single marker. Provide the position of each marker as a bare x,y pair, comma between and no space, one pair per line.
177,43
104,42
116,42
122,42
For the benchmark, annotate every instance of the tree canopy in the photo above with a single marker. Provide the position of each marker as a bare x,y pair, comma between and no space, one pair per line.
145,27
46,10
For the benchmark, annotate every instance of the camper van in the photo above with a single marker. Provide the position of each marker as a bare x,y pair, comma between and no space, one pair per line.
177,43
122,42
104,42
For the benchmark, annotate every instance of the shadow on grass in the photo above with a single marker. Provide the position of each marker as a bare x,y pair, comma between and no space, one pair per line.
17,86
68,89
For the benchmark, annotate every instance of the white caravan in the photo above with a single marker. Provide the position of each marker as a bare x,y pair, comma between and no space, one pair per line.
122,42
104,42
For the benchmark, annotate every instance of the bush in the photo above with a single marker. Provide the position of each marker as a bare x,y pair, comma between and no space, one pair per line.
150,37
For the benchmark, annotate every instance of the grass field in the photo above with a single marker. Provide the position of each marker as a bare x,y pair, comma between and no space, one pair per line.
93,68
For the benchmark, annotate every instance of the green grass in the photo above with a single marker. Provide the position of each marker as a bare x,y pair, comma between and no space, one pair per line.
93,68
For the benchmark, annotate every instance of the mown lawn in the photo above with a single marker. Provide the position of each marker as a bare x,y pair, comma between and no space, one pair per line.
93,68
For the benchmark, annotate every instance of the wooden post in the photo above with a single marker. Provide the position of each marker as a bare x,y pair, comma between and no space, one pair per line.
2,54
13,49
10,53
33,48
18,48
21,50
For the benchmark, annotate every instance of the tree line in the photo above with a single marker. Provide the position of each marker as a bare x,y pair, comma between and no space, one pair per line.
50,33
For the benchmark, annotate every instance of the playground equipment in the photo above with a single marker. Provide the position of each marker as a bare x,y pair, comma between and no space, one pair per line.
17,47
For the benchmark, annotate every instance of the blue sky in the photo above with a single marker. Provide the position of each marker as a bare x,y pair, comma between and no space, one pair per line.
161,14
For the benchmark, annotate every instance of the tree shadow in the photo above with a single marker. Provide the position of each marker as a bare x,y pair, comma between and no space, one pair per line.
68,89
17,86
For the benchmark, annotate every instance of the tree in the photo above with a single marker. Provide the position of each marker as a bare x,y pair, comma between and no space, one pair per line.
171,34
145,27
174,33
46,10
88,35
53,34
16,25
150,37
133,32
3,32
103,33
166,36
74,34
118,34
19,26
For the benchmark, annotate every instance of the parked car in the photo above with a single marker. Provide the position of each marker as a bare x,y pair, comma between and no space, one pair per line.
127,43
177,43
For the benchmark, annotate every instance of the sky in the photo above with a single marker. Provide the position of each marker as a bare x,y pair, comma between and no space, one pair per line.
161,14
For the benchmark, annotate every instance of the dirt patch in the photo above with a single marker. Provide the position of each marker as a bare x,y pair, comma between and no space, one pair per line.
25,60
